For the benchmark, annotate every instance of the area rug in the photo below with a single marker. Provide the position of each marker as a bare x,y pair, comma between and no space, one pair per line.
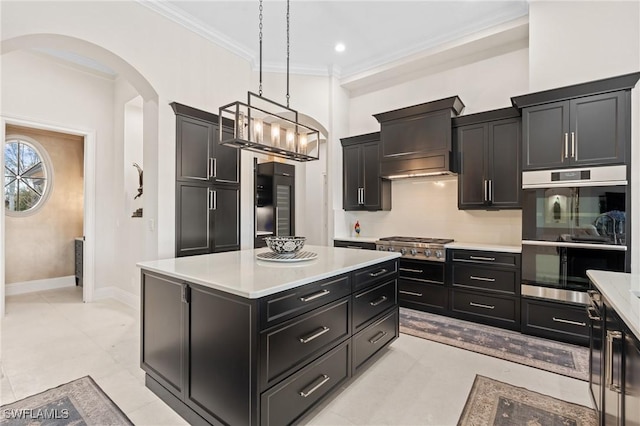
80,402
491,402
568,360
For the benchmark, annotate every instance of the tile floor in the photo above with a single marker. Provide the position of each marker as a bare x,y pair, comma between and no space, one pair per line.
50,338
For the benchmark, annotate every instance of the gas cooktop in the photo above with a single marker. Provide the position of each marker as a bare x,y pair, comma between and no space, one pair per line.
419,240
415,247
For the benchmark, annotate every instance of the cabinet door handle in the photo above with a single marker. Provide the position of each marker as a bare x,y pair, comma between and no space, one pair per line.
611,336
410,293
480,305
417,271
286,174
473,277
315,296
574,147
566,146
379,336
490,190
314,335
377,274
213,169
487,259
565,321
593,314
378,301
485,190
213,199
315,386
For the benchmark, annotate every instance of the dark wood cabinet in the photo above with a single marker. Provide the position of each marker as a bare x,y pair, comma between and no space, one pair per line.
358,245
489,171
363,188
217,358
207,185
561,321
631,380
587,124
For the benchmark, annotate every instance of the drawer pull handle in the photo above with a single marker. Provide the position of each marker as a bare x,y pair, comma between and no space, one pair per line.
410,293
593,314
378,301
480,305
315,335
315,386
417,271
354,247
377,274
314,296
379,336
564,321
488,259
482,279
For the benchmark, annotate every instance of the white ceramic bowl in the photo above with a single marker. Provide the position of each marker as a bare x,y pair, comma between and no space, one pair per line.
285,245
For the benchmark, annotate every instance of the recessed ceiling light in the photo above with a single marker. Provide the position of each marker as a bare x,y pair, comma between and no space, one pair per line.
340,47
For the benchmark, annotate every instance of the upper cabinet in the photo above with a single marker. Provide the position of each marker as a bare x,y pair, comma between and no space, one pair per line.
587,124
416,140
363,188
488,149
199,156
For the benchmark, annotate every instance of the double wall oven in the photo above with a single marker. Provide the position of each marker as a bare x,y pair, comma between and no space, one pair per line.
572,220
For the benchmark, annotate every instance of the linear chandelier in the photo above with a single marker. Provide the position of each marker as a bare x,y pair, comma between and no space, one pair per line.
264,126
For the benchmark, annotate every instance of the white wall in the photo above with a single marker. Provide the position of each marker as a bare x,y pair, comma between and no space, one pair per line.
419,206
576,42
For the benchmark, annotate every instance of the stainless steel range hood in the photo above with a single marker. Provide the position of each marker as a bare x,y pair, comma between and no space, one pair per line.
416,140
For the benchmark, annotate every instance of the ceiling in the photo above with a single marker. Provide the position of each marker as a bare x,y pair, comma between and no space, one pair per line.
375,33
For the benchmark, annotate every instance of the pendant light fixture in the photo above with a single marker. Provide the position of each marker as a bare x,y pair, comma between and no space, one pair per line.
262,125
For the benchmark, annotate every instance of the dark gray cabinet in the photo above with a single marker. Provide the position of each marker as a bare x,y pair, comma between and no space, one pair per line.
587,124
631,380
489,171
359,245
207,185
363,188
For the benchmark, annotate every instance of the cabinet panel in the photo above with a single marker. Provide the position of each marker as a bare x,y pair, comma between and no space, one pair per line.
499,309
226,159
371,175
382,271
226,214
373,338
354,244
192,219
486,257
352,180
480,278
472,146
416,136
556,321
371,302
163,323
545,135
504,163
193,148
631,380
422,296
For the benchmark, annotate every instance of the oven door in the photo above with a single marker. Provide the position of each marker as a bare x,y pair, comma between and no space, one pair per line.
552,266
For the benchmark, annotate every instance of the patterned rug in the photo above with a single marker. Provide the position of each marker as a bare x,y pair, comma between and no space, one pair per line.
491,402
80,402
561,358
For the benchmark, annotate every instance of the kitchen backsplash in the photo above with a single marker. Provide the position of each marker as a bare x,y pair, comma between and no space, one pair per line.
428,207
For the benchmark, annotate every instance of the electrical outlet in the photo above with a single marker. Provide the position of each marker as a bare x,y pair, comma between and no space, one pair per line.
152,225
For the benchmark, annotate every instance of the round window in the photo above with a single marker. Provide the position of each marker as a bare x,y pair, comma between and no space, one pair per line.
27,177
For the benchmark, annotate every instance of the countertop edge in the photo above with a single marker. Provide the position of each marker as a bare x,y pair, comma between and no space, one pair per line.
461,245
626,314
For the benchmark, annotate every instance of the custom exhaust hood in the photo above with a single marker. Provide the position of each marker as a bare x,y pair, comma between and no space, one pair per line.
416,140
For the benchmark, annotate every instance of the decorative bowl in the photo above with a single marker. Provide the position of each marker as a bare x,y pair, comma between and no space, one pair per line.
285,245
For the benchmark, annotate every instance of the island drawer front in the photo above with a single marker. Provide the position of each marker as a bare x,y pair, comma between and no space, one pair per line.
433,296
382,271
375,337
471,276
289,345
371,302
290,303
486,257
503,309
286,402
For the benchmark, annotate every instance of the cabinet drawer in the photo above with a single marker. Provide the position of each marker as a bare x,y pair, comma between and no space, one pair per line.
486,257
498,308
373,301
381,271
429,295
354,244
288,401
375,337
553,320
288,304
291,344
423,271
498,280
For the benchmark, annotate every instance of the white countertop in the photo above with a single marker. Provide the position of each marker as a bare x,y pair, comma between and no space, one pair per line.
240,273
484,247
618,288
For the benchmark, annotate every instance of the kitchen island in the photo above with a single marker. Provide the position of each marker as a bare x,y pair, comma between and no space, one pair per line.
230,339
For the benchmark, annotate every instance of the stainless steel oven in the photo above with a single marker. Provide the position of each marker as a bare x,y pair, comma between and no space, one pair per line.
572,220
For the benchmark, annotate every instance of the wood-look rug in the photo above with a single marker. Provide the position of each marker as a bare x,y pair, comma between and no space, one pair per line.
80,402
492,402
561,358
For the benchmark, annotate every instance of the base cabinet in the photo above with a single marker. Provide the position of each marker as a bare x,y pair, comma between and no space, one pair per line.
554,320
217,358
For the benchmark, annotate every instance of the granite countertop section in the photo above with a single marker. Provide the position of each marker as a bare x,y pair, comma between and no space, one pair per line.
485,247
361,239
240,273
621,290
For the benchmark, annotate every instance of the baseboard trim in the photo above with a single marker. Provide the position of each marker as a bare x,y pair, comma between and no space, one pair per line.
118,294
39,285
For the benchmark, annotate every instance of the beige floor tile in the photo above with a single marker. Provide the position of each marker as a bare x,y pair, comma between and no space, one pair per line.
156,414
